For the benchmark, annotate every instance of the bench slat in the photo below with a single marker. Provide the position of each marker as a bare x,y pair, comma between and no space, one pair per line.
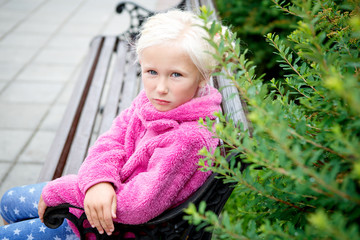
57,155
232,104
83,134
193,5
112,102
131,83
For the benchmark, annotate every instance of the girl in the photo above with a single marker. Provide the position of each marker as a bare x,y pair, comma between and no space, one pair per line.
147,162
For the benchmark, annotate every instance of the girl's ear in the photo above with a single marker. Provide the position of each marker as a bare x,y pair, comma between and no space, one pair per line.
202,82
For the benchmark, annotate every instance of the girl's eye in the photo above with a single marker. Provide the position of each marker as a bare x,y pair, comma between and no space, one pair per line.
175,74
152,72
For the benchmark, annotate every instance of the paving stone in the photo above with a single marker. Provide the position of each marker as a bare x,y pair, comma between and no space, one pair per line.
11,15
81,29
67,42
92,16
21,116
38,148
36,26
60,56
56,11
51,14
5,26
21,174
97,6
17,55
119,24
2,2
8,70
25,6
51,17
46,72
69,88
2,85
33,92
4,168
53,119
62,5
11,143
26,40
66,93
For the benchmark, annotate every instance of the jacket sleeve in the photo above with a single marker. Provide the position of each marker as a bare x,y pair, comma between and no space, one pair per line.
107,155
63,190
104,159
172,168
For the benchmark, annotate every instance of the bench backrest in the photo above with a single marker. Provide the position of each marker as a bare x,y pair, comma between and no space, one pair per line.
107,84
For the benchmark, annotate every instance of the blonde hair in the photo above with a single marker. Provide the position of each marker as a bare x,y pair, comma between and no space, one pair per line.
183,29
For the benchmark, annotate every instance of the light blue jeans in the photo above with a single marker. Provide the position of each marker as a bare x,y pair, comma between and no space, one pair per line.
19,207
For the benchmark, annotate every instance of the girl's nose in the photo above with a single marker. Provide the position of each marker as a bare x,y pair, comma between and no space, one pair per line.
162,86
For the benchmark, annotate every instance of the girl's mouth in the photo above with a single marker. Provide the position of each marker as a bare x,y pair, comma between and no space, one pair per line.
161,102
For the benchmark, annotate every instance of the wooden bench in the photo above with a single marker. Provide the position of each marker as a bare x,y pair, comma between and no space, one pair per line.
107,85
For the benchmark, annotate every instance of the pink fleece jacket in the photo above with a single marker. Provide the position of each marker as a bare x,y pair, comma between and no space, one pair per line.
149,156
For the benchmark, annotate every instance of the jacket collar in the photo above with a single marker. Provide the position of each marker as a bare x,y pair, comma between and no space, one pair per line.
193,110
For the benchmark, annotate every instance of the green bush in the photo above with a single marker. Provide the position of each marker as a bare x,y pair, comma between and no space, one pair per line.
303,181
251,20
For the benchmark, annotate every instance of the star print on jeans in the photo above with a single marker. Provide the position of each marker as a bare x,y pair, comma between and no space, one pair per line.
19,206
30,237
42,229
17,231
22,199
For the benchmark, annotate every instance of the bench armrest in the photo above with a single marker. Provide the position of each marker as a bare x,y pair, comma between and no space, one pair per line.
138,14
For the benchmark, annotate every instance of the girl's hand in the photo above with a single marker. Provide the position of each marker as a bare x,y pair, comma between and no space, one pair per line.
41,208
100,207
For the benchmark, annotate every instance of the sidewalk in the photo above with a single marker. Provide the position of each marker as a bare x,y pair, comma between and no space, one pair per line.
42,46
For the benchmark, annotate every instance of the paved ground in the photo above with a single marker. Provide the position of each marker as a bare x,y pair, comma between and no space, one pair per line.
42,46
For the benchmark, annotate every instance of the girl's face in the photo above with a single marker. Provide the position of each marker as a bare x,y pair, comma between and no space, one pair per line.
169,76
